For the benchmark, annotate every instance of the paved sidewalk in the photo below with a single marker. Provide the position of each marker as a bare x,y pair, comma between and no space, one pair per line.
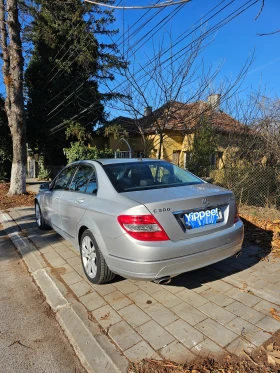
223,308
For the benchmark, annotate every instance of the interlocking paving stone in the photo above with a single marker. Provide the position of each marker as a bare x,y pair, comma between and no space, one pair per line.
269,324
123,335
141,298
74,261
80,270
217,313
157,336
67,254
243,296
271,288
216,332
273,278
245,312
104,289
149,287
240,345
161,314
126,286
207,348
175,351
249,331
185,333
64,268
51,255
217,297
202,288
221,286
141,351
71,277
134,315
166,298
188,313
63,249
92,301
56,262
265,307
81,288
192,298
172,288
117,300
106,316
48,250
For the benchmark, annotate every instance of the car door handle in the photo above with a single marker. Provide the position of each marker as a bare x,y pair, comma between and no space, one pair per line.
56,197
79,201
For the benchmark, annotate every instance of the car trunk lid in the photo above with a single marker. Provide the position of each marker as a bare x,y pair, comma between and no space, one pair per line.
186,212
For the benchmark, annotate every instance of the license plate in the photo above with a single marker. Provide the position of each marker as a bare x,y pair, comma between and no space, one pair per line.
199,219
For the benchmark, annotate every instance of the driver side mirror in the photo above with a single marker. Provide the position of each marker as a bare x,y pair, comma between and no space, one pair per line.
44,186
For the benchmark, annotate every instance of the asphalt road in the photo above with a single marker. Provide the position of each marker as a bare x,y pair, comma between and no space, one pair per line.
30,338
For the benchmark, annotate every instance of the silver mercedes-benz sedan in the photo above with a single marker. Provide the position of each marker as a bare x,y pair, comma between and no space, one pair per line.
143,219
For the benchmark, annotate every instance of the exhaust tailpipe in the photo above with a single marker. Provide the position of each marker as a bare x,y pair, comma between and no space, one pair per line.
163,280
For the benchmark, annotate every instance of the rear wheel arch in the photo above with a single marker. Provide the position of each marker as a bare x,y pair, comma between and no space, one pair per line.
82,229
97,272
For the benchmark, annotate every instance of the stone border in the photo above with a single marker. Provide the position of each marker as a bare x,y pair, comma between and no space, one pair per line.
92,355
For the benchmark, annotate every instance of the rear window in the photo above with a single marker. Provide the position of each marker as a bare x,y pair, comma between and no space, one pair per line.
133,176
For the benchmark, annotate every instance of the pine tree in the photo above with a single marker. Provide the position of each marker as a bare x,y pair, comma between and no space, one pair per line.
64,72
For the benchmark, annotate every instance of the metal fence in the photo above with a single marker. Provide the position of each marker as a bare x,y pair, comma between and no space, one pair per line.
252,185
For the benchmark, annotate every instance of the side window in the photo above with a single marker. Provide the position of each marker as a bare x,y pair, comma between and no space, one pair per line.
81,178
92,184
63,178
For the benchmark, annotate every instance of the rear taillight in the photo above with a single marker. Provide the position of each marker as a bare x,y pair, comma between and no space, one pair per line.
143,227
236,214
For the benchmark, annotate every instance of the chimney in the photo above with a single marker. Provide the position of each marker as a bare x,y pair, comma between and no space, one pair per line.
147,111
214,101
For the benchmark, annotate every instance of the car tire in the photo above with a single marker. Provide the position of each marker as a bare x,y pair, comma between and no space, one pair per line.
93,262
39,217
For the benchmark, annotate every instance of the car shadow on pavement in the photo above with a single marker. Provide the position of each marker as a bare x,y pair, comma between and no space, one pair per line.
256,247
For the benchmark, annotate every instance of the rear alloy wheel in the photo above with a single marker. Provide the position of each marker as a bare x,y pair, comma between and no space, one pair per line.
39,217
93,261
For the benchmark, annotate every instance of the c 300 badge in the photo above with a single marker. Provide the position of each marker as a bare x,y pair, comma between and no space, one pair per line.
161,210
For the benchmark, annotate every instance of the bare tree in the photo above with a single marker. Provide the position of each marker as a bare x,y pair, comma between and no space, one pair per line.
13,78
268,127
173,89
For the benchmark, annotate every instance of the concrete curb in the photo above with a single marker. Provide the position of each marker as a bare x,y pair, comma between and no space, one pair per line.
92,355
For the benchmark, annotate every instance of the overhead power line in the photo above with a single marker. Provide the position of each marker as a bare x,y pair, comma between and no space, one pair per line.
161,5
213,29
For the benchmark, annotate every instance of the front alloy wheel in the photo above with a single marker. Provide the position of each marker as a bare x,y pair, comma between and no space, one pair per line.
89,257
39,217
93,261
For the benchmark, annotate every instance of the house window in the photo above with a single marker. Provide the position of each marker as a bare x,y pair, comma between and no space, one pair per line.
176,157
215,159
187,158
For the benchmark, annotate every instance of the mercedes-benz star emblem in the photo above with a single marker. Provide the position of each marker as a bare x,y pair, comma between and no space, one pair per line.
205,201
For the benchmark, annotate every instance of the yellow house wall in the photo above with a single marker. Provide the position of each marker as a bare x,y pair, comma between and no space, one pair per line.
172,142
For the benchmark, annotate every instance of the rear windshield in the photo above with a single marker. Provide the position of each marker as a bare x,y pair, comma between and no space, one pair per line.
133,176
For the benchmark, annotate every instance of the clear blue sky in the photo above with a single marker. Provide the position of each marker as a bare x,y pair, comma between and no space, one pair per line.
232,44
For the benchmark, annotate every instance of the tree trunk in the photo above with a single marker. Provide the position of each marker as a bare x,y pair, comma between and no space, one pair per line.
14,102
160,145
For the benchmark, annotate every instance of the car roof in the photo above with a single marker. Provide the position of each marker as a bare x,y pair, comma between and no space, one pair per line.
105,161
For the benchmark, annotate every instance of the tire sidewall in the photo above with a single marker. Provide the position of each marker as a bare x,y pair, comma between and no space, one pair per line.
95,279
41,217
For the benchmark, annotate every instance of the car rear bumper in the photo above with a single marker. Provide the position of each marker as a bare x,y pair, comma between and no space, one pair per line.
151,270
